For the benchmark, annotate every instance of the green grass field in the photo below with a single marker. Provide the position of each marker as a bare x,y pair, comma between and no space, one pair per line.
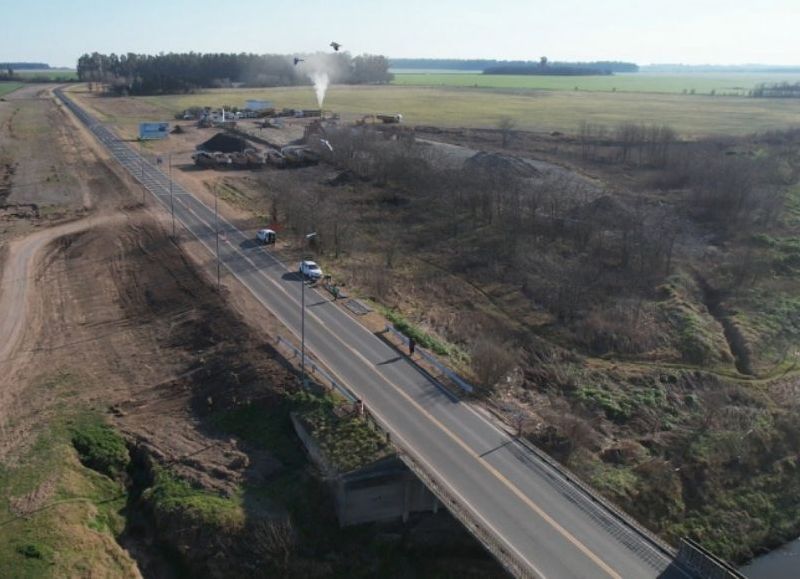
720,83
7,87
535,110
48,74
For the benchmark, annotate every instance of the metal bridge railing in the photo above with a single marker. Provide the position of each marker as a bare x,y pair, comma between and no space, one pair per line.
457,380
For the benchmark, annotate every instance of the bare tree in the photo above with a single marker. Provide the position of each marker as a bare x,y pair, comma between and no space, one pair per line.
491,360
506,126
275,539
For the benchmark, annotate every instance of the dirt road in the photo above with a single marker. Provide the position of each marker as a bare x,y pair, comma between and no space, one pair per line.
18,288
22,322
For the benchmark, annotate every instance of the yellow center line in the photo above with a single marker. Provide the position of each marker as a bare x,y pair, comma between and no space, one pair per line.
533,506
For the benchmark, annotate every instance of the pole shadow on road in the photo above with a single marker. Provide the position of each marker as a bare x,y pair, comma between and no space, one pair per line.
293,276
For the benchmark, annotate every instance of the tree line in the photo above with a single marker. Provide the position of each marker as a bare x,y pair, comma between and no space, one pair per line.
483,64
554,70
24,66
185,72
778,90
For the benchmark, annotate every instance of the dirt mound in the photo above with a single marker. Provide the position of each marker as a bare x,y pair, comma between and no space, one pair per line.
224,143
497,163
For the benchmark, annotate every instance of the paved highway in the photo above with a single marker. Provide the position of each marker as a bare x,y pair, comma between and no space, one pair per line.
548,526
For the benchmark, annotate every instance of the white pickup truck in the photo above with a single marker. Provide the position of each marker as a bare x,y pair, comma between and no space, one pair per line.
310,270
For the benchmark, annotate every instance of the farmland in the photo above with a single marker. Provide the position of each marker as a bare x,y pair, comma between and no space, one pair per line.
534,110
700,83
54,74
7,87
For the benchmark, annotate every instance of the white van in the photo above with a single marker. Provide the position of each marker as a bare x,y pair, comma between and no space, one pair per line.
266,236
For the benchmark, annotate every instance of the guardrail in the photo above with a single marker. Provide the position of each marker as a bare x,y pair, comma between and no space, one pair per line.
457,380
316,369
568,476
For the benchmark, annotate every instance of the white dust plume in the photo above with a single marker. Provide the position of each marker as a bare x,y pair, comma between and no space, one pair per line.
321,82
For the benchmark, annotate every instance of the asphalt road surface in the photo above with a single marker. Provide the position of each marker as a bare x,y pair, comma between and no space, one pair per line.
551,527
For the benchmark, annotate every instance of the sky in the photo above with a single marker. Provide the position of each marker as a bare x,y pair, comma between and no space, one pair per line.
642,31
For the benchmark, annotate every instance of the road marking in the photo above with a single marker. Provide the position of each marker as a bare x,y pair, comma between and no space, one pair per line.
533,506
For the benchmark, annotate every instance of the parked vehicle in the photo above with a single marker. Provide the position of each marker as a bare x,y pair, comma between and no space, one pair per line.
389,119
299,155
310,270
266,236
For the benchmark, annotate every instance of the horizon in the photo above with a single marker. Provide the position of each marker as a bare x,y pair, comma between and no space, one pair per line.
466,59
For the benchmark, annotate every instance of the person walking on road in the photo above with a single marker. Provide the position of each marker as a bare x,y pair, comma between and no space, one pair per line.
411,346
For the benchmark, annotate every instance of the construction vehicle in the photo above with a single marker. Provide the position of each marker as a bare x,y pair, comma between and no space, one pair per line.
204,159
299,155
388,119
275,159
254,158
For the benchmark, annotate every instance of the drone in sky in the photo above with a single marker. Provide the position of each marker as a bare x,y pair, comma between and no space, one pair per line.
336,46
298,60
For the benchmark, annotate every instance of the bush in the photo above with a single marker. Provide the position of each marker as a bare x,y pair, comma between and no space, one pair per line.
101,448
420,337
171,495
491,361
29,551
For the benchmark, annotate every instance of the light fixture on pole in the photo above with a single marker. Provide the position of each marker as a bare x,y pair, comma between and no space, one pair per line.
309,236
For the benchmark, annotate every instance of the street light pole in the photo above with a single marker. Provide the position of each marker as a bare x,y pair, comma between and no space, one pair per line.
216,230
303,318
141,162
171,201
303,327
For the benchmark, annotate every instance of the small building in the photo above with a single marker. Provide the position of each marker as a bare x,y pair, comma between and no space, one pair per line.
259,105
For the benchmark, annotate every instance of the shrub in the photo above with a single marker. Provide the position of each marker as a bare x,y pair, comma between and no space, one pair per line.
29,551
420,337
101,448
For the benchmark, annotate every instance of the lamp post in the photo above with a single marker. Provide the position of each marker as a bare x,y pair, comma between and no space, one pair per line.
141,162
303,317
216,231
171,201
